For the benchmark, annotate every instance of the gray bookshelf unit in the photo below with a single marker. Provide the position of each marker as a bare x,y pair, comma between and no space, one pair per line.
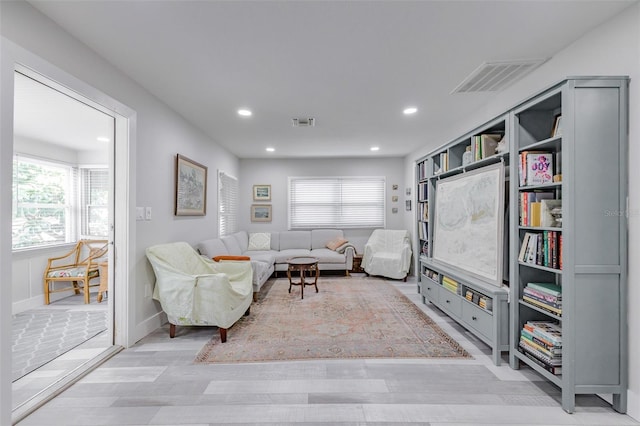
583,254
480,307
563,306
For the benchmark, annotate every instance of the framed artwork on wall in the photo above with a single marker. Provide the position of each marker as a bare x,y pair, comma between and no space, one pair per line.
261,192
191,187
261,213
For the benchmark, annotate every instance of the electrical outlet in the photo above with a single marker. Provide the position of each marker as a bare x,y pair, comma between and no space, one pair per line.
139,213
147,213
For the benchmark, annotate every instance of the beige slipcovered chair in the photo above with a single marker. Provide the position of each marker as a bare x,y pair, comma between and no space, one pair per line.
193,290
388,253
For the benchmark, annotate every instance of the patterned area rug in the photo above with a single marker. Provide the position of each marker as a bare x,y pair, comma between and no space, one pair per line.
41,335
348,318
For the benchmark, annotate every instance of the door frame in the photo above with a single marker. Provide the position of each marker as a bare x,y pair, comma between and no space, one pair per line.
122,159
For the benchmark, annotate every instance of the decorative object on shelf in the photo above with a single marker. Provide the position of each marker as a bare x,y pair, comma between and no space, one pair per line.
261,192
502,146
191,187
557,126
407,205
467,157
260,213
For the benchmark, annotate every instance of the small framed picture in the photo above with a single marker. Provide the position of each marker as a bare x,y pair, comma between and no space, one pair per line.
394,198
261,213
407,205
394,186
394,210
408,190
557,126
261,192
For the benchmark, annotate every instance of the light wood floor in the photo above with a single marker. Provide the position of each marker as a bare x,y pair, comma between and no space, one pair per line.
156,383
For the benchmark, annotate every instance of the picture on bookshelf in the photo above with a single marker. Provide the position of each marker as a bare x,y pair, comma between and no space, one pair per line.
468,224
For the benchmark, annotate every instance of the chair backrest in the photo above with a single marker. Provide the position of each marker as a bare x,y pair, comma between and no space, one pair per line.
389,239
90,251
178,256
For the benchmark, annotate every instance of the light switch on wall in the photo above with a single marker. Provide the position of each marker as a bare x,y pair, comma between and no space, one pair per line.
147,213
139,213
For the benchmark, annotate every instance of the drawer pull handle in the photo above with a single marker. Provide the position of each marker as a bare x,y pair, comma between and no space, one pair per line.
474,318
448,301
428,288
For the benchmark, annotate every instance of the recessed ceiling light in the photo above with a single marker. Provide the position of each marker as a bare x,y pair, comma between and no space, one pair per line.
270,149
375,148
410,110
103,139
244,112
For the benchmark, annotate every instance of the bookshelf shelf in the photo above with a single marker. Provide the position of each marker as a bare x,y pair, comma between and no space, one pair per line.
557,204
480,307
589,287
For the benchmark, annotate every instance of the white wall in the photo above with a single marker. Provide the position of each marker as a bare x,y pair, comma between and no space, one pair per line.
277,171
160,135
611,49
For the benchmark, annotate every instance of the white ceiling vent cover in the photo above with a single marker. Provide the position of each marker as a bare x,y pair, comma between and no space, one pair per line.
304,122
495,76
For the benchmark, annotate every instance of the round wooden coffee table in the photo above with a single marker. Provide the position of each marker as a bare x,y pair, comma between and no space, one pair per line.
302,265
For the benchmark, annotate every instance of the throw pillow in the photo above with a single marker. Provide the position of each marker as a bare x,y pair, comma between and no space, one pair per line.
335,243
260,241
226,257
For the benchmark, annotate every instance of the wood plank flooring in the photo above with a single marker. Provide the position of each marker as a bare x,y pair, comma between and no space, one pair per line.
156,383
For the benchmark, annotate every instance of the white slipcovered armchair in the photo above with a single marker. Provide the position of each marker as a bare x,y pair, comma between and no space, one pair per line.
388,253
194,290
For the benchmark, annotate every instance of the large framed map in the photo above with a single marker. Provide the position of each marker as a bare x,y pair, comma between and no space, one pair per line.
469,222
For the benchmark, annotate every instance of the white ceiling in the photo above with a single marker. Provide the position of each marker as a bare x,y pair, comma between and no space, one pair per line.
352,65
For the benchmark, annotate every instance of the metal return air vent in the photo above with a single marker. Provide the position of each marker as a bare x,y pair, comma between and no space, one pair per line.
303,122
495,76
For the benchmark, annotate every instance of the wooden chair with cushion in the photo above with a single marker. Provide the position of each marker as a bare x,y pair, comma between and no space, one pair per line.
79,268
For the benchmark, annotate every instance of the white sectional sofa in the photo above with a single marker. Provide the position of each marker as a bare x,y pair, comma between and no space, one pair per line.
270,251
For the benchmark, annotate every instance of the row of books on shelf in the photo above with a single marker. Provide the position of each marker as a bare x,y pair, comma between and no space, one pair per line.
450,284
431,274
479,299
442,165
423,173
423,191
542,248
537,167
484,145
541,341
540,209
423,212
547,296
423,230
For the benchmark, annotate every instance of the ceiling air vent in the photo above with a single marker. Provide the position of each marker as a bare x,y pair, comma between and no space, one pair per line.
495,76
304,122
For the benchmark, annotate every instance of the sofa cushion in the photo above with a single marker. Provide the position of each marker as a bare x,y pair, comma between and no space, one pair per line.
262,256
232,245
320,237
211,248
243,240
283,255
259,241
325,255
295,240
275,241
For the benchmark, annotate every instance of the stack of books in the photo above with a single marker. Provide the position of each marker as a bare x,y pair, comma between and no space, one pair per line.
431,274
541,341
547,296
450,284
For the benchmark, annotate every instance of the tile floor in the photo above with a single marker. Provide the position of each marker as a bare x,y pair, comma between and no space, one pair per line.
156,383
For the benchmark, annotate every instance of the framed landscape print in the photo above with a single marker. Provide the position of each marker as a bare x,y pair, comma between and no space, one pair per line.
260,213
261,192
191,187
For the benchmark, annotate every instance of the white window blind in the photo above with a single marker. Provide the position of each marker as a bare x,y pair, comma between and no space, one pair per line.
336,202
227,204
42,198
94,199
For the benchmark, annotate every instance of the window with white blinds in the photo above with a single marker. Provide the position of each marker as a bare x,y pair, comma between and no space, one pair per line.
94,199
227,204
336,202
